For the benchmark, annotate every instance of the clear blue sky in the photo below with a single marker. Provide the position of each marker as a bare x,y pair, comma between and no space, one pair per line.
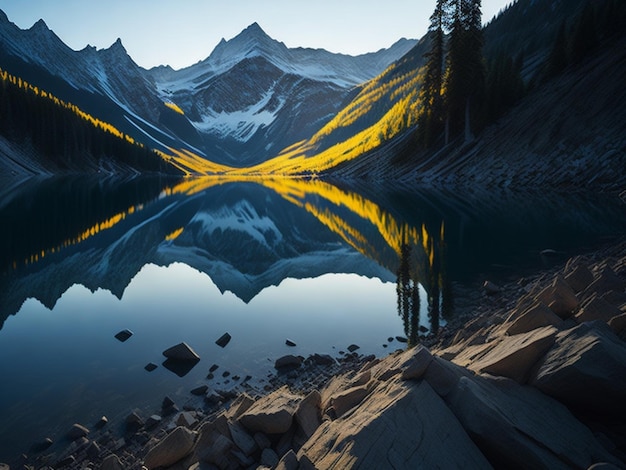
182,32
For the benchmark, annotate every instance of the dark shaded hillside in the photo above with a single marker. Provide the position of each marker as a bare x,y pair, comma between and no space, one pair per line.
59,137
569,133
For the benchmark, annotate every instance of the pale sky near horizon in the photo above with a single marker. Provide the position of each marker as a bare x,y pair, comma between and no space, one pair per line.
182,32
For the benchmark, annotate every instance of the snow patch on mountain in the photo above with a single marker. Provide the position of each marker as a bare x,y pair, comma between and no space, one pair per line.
240,125
242,218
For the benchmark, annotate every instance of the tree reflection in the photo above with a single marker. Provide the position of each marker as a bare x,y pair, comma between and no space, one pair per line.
423,266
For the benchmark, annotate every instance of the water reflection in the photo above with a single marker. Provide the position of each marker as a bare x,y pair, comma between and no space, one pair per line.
263,259
252,233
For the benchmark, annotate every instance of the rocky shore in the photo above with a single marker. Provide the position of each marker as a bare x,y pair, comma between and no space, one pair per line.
532,374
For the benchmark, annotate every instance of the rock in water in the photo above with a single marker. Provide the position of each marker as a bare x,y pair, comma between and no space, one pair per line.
223,340
77,431
123,335
288,361
174,447
181,352
289,342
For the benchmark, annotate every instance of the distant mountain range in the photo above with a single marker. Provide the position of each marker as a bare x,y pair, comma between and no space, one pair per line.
248,100
254,106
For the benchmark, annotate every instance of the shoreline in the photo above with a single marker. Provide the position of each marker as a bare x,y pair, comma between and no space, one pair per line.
483,314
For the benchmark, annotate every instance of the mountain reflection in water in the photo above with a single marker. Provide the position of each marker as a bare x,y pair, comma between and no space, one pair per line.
262,259
248,234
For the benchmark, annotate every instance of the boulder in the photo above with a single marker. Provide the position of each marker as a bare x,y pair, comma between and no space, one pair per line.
560,298
153,421
579,278
290,343
514,356
200,391
403,424
181,352
150,366
353,347
323,359
536,316
174,447
618,323
605,282
308,414
77,431
443,376
288,361
491,288
348,399
111,462
516,426
186,419
288,462
244,441
123,335
272,414
213,447
586,369
239,406
269,458
223,340
596,308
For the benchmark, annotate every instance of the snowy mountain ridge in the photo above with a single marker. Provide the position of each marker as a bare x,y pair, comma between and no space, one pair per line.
249,99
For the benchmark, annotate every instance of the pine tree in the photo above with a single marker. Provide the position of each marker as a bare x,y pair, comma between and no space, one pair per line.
465,72
584,37
431,119
558,57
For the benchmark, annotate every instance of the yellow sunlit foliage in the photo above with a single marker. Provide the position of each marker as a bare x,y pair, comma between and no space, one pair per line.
174,107
396,99
105,126
174,235
82,236
193,164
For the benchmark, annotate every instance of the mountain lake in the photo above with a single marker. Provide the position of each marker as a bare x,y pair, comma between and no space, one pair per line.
325,265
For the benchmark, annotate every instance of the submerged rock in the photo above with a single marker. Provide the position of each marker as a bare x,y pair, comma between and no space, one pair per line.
223,340
77,431
288,361
123,335
181,352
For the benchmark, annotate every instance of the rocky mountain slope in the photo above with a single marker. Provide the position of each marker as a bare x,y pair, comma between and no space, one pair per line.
250,98
569,132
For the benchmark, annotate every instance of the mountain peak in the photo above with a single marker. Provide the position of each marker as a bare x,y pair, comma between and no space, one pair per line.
3,17
40,25
255,28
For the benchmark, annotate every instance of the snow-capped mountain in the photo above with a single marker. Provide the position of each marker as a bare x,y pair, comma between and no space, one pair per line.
249,99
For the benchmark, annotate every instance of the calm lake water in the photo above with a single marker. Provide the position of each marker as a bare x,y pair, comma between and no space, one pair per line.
264,260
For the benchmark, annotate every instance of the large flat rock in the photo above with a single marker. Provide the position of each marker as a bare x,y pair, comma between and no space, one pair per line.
586,369
514,356
517,426
403,424
272,414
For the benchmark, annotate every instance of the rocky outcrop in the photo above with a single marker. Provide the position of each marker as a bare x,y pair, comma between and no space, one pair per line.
586,369
175,446
535,386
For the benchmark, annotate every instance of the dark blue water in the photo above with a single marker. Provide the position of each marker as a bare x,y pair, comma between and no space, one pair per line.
82,259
